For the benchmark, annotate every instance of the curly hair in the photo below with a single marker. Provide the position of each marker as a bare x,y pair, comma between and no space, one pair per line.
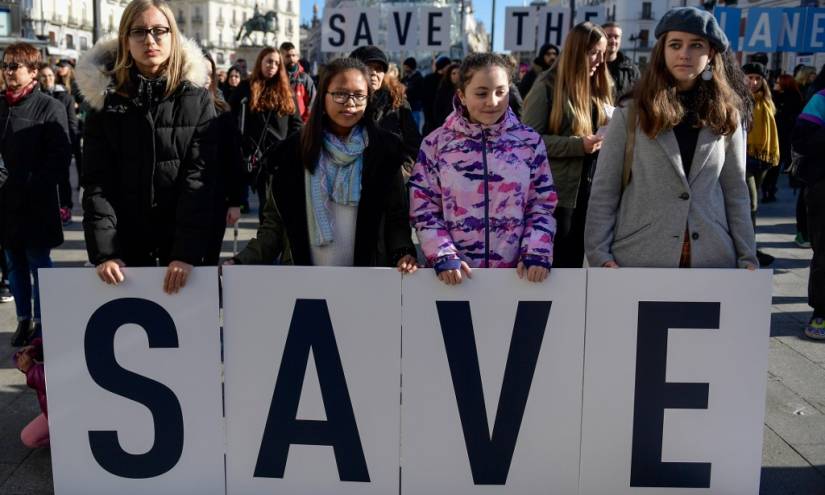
273,93
396,89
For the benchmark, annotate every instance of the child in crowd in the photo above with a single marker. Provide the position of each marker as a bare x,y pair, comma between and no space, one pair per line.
481,191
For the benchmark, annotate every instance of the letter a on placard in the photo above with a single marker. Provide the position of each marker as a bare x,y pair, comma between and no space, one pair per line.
104,369
362,31
311,330
490,455
654,394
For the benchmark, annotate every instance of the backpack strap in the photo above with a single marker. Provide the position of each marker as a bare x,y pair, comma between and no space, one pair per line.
629,144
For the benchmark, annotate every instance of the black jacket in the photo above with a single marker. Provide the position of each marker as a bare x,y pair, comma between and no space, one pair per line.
400,122
809,140
261,130
788,107
527,81
34,144
414,83
147,166
60,94
443,104
625,73
382,232
429,87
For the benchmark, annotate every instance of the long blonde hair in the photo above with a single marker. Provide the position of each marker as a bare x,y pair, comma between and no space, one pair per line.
173,67
575,87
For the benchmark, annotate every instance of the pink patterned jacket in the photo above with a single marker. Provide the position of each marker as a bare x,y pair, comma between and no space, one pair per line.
484,195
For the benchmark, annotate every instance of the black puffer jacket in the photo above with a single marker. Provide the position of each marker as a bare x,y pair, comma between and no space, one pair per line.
147,164
34,144
399,121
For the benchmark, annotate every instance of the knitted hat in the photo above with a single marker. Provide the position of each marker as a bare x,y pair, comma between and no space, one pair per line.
755,68
694,21
369,54
442,62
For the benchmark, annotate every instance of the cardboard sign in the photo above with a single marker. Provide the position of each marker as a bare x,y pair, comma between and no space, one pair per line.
133,382
492,391
520,25
674,381
313,361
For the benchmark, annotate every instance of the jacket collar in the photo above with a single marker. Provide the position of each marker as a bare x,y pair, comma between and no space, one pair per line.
704,144
94,68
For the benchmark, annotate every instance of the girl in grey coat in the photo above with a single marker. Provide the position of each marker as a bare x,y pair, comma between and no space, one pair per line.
686,203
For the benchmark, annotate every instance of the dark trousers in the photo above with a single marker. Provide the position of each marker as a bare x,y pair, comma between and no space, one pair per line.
802,214
4,268
815,199
770,184
64,189
568,245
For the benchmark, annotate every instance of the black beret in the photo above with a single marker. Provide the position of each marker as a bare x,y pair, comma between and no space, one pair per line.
442,62
694,21
369,54
755,68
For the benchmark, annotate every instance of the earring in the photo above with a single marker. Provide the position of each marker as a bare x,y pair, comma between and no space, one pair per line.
707,74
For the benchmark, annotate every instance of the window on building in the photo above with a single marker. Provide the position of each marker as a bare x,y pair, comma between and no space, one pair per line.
647,10
221,59
644,37
70,41
84,43
52,38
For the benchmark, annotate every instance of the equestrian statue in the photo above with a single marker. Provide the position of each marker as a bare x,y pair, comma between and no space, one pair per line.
264,23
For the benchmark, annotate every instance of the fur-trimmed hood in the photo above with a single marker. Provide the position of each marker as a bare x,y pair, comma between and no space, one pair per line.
93,68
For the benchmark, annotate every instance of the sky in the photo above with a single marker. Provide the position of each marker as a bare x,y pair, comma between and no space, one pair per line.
483,12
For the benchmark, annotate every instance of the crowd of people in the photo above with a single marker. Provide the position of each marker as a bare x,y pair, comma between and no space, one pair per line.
579,159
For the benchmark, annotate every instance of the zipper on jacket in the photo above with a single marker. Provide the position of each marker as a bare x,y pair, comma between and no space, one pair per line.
486,200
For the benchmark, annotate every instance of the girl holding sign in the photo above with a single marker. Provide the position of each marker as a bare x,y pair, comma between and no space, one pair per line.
669,189
567,105
481,190
148,196
338,197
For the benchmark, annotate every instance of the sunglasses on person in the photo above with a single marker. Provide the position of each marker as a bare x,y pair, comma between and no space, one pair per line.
11,66
342,98
157,32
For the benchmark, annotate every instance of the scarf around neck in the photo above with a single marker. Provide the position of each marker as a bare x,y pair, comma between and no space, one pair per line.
13,98
337,178
763,137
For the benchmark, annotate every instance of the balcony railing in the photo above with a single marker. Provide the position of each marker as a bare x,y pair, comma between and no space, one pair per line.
73,21
197,19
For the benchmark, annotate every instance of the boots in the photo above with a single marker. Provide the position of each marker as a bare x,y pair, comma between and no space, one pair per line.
22,334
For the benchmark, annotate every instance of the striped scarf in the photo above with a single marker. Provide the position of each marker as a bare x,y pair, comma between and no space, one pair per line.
337,178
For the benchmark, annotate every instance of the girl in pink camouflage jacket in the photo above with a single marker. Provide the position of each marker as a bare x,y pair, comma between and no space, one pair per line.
481,192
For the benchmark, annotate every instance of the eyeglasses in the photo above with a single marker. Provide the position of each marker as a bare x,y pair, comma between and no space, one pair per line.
157,32
342,98
10,66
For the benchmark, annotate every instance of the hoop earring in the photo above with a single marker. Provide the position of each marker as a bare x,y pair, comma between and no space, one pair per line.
707,74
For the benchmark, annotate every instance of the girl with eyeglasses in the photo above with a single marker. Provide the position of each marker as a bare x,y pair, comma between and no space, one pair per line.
146,160
265,109
337,197
567,105
481,192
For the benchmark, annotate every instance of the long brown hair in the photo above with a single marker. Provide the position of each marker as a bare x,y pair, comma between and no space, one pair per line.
656,96
788,84
173,67
396,89
575,88
312,135
270,94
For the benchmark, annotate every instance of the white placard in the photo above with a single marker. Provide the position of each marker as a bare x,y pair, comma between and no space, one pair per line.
593,13
507,319
703,332
554,24
337,28
351,318
434,26
520,29
104,344
364,27
402,29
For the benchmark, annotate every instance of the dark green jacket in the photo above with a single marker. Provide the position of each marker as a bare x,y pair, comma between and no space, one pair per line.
566,152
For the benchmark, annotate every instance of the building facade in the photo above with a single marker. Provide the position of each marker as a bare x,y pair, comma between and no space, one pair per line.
216,24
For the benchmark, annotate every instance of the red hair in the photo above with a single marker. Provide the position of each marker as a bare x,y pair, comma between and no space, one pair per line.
270,94
23,53
788,83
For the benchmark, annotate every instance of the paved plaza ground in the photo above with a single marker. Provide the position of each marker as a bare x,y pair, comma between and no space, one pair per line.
793,457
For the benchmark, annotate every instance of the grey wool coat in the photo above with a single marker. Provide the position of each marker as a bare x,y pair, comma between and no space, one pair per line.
645,226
